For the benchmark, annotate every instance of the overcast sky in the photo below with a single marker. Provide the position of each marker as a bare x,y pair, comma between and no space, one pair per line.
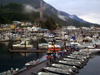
88,10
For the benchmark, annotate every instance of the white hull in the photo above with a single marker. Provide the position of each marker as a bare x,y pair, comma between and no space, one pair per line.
90,50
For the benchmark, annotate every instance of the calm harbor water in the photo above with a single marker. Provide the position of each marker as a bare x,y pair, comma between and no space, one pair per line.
18,61
92,67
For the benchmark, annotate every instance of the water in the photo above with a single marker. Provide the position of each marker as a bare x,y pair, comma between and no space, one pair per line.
92,67
18,61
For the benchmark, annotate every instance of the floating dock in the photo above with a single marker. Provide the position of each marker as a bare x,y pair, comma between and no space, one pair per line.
27,51
32,69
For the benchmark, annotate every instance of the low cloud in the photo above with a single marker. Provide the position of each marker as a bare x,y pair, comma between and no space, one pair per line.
85,9
29,9
92,17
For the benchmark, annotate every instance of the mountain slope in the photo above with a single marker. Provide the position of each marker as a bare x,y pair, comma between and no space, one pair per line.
59,17
72,16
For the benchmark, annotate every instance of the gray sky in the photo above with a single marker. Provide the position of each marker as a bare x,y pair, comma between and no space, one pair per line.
89,10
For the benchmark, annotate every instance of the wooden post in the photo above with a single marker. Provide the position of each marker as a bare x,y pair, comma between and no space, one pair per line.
11,55
11,44
37,44
37,55
25,44
25,55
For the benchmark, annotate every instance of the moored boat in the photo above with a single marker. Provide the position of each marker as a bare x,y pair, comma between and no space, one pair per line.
54,48
65,67
23,44
58,71
45,73
77,64
74,60
31,63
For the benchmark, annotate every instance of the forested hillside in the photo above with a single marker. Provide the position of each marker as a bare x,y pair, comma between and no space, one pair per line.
14,12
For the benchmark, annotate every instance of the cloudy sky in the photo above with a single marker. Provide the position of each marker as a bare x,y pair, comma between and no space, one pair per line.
88,10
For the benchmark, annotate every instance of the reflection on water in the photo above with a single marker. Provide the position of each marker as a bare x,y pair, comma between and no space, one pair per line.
18,61
92,67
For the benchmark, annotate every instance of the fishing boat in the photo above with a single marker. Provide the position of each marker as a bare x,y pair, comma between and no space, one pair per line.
31,63
54,48
58,71
74,60
90,49
86,54
77,64
77,58
45,73
23,44
65,67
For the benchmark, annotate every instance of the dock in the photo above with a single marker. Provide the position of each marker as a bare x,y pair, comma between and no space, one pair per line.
31,70
27,51
9,40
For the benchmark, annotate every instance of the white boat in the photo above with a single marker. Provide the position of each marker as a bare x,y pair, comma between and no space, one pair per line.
92,50
65,67
88,39
22,45
77,45
58,71
80,39
43,45
45,73
58,38
71,40
31,63
77,64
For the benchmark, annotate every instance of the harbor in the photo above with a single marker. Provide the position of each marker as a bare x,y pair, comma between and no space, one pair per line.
39,37
26,50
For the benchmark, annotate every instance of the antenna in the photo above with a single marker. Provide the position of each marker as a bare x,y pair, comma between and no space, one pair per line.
41,10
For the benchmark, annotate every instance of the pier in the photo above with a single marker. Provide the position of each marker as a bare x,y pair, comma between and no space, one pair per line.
9,40
27,51
32,69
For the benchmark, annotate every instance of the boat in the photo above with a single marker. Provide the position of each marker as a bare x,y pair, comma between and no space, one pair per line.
45,73
58,38
78,58
80,39
87,54
10,72
65,67
31,63
76,44
54,48
74,60
77,64
90,49
43,46
58,71
22,45
87,39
